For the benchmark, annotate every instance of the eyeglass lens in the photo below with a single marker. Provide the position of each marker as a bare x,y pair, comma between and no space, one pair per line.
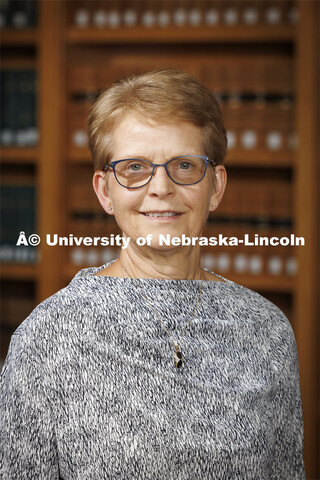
183,170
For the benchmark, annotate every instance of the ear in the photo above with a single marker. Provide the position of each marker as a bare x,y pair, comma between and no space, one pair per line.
100,187
220,181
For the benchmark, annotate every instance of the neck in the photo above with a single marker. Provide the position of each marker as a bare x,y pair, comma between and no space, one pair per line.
180,263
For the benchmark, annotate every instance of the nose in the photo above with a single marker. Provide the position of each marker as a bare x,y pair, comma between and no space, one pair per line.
160,184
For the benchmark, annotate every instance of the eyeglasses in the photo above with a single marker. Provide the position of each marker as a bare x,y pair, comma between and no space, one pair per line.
182,170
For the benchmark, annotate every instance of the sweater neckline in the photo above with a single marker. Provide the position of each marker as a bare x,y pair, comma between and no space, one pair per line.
91,272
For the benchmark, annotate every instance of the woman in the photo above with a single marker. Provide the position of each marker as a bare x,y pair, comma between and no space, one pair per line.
151,366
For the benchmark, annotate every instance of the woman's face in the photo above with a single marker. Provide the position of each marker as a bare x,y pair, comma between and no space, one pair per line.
158,143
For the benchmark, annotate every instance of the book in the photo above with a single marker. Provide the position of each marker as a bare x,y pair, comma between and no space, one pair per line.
18,214
18,108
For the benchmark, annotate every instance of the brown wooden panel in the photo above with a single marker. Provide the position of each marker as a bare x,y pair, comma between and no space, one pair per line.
306,213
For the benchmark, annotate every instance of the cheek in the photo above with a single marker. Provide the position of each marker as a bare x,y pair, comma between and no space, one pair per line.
116,192
204,203
200,199
199,205
125,202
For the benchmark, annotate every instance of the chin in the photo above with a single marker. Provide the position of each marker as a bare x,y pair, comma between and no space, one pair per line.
161,244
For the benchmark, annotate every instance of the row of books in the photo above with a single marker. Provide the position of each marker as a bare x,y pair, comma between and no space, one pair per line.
18,108
264,111
21,255
18,213
167,13
18,13
250,264
228,76
224,262
248,73
261,197
276,139
260,125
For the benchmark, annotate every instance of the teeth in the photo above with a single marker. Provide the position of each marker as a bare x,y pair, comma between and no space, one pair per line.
164,214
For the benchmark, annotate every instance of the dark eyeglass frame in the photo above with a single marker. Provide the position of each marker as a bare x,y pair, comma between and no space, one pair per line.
205,158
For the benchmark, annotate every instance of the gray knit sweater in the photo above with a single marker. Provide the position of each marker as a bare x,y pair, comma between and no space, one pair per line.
90,391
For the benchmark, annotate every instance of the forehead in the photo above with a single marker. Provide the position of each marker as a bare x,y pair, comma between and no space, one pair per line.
137,135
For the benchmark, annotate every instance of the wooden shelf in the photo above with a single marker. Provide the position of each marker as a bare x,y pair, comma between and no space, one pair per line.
79,155
18,63
195,35
235,158
260,158
13,271
20,155
16,37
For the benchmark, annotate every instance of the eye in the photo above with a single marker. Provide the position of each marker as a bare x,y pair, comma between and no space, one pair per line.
185,165
135,167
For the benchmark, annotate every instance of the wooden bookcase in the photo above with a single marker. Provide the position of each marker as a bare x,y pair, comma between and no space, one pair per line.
55,45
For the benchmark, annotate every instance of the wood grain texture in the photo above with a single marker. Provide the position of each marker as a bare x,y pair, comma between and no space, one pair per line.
306,217
50,176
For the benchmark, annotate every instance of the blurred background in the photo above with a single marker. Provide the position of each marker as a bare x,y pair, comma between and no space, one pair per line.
259,57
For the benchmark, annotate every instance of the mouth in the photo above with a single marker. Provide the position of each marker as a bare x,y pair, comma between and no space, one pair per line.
159,214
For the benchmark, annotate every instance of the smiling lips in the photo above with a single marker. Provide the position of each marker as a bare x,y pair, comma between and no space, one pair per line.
163,214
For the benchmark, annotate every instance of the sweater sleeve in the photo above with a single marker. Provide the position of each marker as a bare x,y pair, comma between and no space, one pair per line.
288,455
27,440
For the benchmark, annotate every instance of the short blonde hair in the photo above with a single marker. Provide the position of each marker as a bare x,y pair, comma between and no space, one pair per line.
164,96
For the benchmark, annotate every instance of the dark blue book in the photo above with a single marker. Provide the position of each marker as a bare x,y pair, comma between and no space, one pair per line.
18,108
4,13
18,214
9,98
26,133
21,13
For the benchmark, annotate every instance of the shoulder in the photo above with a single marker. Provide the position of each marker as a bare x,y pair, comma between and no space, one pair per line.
56,319
255,305
237,299
251,305
262,319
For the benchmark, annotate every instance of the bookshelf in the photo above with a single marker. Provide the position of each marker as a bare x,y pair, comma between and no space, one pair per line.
185,35
18,38
19,159
74,62
20,155
22,272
